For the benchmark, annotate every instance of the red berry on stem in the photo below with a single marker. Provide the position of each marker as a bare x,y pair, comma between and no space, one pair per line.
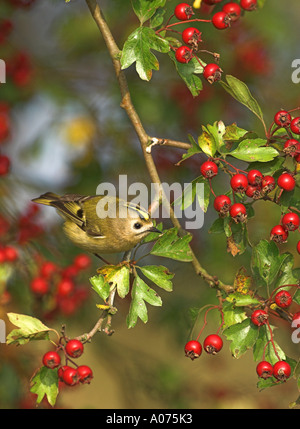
222,204
279,234
85,374
248,5
253,192
4,165
291,147
290,221
281,370
183,11
70,376
74,348
283,299
239,183
233,10
259,317
47,269
193,349
238,212
51,359
184,54
191,36
61,370
65,287
212,72
209,169
264,369
213,344
221,20
286,181
298,247
254,177
282,118
39,286
295,125
268,184
11,254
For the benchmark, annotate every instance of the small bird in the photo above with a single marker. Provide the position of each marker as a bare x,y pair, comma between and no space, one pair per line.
122,228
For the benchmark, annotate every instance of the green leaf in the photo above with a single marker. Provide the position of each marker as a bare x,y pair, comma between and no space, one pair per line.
242,336
140,293
159,275
45,382
207,142
157,18
217,226
232,314
145,9
267,168
188,73
287,274
100,286
137,49
153,236
169,245
240,91
116,276
254,150
30,329
262,348
193,150
241,299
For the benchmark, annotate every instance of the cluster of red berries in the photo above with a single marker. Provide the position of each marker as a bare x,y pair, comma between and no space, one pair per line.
59,285
283,119
212,344
67,374
191,36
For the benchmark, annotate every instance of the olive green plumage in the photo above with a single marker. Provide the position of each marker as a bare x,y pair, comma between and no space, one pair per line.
100,224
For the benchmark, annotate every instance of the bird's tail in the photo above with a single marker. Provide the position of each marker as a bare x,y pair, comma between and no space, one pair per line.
47,199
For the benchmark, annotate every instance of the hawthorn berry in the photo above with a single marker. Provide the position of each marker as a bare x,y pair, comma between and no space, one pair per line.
238,212
221,20
184,54
209,169
61,370
212,72
267,184
74,348
290,221
264,369
213,344
253,192
254,177
51,359
183,11
222,204
286,181
233,10
281,370
279,234
193,349
191,36
39,286
283,299
70,376
291,147
298,247
11,253
282,118
82,261
85,374
239,183
47,269
295,125
259,317
248,5
4,165
65,287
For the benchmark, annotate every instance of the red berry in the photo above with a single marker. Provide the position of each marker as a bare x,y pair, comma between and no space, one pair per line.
254,177
191,36
248,4
222,204
290,221
213,344
39,286
212,72
239,183
295,125
184,54
259,317
47,269
221,20
11,254
282,118
4,126
74,348
65,287
4,165
253,192
85,374
183,11
209,169
233,10
291,147
279,234
51,359
238,212
2,256
267,184
70,271
281,370
193,349
70,376
61,371
82,261
264,369
283,299
286,182
298,247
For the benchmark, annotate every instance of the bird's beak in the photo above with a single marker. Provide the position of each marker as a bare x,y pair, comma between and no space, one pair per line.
153,229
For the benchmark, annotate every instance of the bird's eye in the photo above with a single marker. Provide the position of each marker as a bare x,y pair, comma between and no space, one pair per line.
137,225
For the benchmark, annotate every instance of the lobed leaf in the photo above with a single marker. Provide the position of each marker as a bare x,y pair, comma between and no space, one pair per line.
30,328
45,383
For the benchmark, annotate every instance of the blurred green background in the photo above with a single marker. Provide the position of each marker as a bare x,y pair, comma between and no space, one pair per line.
68,134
